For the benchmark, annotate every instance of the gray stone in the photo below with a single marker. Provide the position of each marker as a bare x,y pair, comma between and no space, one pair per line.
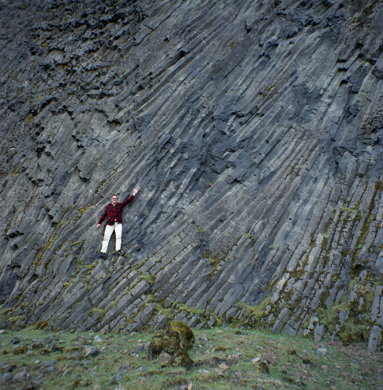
379,263
7,376
260,177
319,332
91,351
21,375
139,348
164,358
321,351
375,340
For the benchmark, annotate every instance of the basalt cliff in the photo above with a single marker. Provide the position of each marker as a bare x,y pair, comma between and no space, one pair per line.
254,130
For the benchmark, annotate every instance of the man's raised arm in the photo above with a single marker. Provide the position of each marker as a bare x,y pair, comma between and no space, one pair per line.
130,197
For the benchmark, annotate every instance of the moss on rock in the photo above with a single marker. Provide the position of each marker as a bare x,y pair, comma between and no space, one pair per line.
175,340
185,332
165,340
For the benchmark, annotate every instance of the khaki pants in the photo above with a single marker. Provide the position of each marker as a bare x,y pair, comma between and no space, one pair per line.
117,228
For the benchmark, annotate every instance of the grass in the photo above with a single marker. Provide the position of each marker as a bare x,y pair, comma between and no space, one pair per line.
224,358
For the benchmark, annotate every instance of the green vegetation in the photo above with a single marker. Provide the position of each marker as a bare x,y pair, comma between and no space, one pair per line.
98,312
45,248
181,307
357,326
224,358
184,331
29,118
214,261
255,315
147,278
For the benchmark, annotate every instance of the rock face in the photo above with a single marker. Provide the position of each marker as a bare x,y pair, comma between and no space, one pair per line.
255,131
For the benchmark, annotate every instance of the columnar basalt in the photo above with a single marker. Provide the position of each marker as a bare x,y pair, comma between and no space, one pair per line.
255,131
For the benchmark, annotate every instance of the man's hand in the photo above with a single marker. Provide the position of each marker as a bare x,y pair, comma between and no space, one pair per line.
134,192
98,226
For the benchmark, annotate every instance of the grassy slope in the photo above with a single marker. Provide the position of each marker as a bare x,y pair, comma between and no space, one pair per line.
223,360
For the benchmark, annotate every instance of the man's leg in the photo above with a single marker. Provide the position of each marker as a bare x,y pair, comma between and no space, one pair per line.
105,241
118,233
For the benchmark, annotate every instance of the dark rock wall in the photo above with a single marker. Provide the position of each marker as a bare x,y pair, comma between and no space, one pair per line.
255,132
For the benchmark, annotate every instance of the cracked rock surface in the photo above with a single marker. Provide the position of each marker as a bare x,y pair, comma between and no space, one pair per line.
255,132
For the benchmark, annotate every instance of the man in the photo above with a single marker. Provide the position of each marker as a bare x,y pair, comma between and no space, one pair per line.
113,213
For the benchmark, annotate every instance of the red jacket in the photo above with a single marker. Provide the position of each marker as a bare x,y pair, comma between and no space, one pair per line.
114,213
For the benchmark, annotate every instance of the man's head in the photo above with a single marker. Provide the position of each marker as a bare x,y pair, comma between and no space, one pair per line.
114,199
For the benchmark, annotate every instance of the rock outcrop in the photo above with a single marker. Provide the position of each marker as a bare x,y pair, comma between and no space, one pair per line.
255,131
